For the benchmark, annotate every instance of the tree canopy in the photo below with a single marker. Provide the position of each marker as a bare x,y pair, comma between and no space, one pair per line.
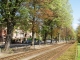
44,17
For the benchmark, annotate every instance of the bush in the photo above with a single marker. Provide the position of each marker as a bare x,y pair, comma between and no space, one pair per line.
78,39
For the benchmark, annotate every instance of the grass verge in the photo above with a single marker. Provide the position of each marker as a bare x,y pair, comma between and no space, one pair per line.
70,54
78,57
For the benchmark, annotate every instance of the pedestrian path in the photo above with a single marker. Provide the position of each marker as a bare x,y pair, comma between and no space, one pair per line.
45,45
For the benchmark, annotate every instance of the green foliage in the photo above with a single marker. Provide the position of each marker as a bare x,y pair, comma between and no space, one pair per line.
61,17
11,12
78,33
36,15
29,39
78,57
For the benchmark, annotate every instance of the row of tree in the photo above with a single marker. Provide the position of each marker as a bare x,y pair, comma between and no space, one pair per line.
78,33
46,18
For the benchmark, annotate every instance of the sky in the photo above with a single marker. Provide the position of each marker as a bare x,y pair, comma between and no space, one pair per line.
75,4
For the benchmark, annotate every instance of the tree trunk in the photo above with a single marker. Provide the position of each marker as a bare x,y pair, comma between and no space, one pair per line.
51,35
33,38
51,38
33,24
9,36
45,38
33,32
59,38
66,34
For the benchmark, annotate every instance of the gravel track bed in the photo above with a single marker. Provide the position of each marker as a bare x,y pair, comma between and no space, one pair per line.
28,53
52,55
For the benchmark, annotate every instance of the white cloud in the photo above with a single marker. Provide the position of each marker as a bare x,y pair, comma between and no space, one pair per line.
75,25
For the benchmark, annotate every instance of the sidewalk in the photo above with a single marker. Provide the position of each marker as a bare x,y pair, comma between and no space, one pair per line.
39,46
3,55
42,46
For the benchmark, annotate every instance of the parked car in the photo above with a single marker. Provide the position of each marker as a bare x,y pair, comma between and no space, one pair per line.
29,41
